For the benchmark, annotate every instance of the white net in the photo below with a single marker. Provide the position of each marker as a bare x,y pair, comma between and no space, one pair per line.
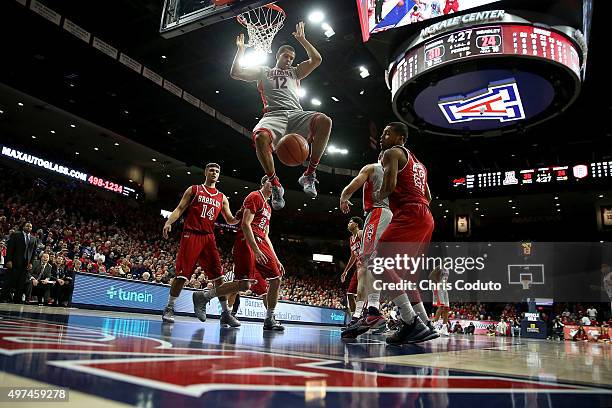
525,283
262,24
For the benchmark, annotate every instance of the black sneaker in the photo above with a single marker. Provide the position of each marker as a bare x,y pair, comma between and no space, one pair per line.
408,333
271,324
433,333
352,322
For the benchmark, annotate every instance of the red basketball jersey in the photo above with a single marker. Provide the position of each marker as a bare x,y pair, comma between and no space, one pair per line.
355,243
411,182
203,209
258,205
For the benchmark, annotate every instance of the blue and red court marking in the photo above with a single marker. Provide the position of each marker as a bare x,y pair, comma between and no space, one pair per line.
126,360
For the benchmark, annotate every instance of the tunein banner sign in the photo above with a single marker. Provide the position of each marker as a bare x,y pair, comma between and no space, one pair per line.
122,294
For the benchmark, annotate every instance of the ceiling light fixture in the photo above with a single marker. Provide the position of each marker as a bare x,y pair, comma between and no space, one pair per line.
96,149
316,16
315,102
73,126
331,149
33,137
154,159
363,72
335,99
19,103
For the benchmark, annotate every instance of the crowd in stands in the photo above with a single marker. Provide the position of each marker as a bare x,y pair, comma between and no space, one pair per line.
82,230
115,237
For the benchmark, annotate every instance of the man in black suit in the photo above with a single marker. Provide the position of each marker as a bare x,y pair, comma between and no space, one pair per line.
41,280
20,251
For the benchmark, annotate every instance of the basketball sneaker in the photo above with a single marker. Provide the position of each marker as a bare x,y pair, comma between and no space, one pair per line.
278,202
308,183
432,330
199,305
408,333
168,316
371,320
227,319
271,324
349,324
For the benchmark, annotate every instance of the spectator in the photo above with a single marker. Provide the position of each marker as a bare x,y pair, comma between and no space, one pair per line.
43,279
145,276
501,328
592,313
470,329
20,254
585,321
457,328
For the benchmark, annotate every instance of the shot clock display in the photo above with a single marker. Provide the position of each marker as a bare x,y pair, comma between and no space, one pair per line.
539,176
508,39
65,171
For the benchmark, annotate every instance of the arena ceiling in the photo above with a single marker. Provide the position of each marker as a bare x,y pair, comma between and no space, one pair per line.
48,63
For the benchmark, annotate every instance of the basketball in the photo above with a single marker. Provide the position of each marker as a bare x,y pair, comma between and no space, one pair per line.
292,150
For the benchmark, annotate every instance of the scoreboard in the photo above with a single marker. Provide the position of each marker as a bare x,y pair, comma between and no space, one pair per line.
537,176
507,39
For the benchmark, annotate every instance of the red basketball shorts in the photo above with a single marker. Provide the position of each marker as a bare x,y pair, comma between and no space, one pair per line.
246,267
352,288
200,248
408,234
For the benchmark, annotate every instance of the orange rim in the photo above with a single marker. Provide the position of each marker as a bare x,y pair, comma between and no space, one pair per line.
271,6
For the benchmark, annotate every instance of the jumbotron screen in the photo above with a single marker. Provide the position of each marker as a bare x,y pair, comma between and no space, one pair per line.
381,15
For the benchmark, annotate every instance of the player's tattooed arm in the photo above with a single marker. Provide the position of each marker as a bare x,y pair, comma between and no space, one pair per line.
227,213
178,211
352,187
314,58
239,72
390,163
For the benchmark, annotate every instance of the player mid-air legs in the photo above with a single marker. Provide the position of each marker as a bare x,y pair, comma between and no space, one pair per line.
283,114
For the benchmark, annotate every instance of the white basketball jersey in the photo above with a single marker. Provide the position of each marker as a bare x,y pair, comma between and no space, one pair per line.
372,187
279,89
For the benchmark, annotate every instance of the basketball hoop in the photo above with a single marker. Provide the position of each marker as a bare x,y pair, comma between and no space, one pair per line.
262,25
525,283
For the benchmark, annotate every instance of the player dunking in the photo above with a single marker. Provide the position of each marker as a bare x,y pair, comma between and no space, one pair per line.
283,113
203,204
378,217
405,184
254,254
354,305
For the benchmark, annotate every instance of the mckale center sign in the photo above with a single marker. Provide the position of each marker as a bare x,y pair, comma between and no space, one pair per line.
121,294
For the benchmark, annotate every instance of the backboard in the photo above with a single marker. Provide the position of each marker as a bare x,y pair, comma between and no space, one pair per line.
182,16
531,273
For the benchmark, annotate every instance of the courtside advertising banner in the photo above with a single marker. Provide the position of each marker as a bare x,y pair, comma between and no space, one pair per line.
121,294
